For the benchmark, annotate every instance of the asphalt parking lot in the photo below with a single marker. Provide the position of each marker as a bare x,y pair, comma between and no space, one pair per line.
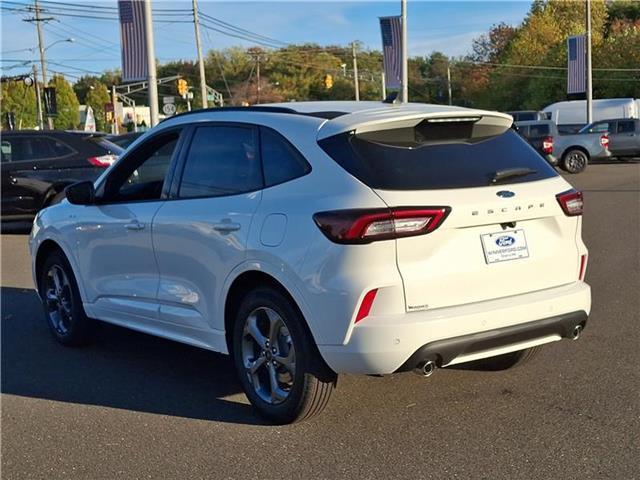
133,406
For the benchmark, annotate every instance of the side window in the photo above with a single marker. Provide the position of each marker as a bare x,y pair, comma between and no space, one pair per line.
280,160
601,127
222,160
141,175
5,151
58,148
524,130
626,126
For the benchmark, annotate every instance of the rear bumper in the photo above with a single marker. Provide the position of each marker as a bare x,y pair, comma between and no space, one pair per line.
468,347
390,343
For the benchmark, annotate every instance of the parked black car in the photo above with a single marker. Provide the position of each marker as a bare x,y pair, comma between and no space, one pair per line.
124,140
38,165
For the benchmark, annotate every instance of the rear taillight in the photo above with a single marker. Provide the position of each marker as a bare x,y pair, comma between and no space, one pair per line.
583,266
366,226
102,161
571,202
604,141
547,145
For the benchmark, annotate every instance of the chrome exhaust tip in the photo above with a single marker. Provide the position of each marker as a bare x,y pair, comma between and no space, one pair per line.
577,332
426,369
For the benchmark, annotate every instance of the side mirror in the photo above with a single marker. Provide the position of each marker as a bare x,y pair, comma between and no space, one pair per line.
80,193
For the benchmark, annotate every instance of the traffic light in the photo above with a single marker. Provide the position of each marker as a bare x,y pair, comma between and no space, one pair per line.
183,88
328,81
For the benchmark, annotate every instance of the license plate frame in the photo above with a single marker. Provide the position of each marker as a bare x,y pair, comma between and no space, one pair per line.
504,246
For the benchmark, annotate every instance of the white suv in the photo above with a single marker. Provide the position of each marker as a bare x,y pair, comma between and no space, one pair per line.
311,239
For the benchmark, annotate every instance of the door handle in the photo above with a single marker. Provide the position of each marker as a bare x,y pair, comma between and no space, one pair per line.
226,226
135,225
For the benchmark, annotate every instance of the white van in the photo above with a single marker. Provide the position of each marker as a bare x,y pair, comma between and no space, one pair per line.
570,116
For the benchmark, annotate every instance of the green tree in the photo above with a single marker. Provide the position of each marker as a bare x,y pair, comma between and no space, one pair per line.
16,97
96,98
68,105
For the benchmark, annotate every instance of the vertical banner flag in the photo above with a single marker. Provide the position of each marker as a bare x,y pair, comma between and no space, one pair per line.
132,40
391,28
576,65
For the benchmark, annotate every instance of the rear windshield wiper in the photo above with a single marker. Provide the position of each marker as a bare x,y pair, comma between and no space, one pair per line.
501,175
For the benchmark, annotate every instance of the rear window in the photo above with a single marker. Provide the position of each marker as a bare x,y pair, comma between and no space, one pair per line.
449,163
539,130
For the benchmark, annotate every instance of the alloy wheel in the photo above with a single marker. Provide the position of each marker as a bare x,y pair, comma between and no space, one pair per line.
576,161
268,355
59,302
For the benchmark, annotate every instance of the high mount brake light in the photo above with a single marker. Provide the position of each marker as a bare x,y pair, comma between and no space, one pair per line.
571,202
102,161
366,226
547,145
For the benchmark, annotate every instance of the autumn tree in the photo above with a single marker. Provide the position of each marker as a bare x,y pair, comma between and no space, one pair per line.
20,100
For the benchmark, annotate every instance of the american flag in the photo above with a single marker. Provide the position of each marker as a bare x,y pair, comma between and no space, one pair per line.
391,28
576,69
132,40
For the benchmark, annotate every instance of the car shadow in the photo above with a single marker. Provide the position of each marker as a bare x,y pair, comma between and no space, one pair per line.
121,369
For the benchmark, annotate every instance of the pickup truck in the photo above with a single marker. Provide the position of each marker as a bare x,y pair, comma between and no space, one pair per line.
571,152
624,135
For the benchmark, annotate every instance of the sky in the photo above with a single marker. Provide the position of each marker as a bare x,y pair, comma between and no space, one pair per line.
445,26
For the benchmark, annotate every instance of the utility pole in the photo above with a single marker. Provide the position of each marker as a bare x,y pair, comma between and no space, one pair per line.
114,121
43,67
588,63
449,82
258,79
384,86
38,97
405,60
203,82
152,78
355,71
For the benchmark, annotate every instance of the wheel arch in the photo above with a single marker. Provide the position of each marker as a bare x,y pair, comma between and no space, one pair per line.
45,248
244,283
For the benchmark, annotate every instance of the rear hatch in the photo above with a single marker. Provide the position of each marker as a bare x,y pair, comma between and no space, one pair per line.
505,233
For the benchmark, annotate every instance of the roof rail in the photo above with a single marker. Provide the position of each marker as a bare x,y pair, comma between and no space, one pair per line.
255,108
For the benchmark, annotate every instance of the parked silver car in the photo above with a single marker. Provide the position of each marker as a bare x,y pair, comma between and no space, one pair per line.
624,135
573,151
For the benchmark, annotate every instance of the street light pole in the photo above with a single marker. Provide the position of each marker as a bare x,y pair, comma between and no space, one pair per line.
405,60
152,79
589,81
203,83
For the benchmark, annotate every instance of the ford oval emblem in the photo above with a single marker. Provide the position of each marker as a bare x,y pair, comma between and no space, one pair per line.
505,241
505,194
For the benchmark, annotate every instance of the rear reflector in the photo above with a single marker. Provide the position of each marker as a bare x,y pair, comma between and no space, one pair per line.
604,141
367,303
583,266
571,202
102,161
366,226
547,145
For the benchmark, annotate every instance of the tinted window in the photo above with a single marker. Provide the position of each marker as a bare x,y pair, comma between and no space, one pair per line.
141,175
600,127
281,162
626,126
434,166
16,149
539,130
524,116
222,160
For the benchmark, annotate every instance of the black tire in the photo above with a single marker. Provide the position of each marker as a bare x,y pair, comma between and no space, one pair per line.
66,317
575,161
308,388
506,361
